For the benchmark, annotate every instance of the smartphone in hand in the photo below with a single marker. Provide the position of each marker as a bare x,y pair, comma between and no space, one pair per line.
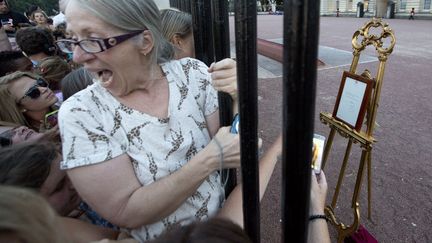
317,152
50,120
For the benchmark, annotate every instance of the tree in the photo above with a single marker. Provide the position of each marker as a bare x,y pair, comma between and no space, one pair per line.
49,6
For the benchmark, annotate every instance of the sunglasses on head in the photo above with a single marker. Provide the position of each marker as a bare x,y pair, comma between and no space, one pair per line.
33,92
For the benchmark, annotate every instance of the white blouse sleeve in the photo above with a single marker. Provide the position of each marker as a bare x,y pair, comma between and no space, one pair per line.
85,135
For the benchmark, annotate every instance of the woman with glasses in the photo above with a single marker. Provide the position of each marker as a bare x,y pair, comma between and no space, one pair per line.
25,99
142,145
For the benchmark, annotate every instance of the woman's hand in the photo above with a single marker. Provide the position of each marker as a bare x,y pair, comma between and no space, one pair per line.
224,76
224,146
318,194
52,133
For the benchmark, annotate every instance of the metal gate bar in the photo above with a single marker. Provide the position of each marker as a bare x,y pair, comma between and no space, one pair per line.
183,5
301,32
222,50
202,20
246,53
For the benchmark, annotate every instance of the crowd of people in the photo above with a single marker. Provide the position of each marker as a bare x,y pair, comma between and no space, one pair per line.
110,131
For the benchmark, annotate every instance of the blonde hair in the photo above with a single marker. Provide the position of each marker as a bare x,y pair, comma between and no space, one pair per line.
175,22
9,109
133,15
53,70
28,216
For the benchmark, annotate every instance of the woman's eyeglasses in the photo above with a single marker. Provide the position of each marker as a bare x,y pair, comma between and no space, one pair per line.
94,45
34,91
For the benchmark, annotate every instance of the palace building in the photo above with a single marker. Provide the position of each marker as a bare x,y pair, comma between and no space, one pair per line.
377,8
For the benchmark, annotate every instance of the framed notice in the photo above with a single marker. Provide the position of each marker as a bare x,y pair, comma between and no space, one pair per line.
352,100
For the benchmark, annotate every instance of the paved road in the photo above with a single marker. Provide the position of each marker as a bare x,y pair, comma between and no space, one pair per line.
402,158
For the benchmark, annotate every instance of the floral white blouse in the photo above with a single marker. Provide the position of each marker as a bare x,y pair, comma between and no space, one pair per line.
95,128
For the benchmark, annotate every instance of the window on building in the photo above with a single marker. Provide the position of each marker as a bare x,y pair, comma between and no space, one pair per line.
403,4
427,4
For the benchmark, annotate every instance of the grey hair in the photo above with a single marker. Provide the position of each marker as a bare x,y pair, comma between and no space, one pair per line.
131,15
175,22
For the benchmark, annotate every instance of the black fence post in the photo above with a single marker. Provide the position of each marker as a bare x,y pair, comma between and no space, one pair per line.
246,53
203,30
301,32
183,5
222,50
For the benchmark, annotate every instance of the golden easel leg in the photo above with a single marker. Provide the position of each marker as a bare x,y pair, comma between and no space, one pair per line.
341,173
357,187
328,147
369,167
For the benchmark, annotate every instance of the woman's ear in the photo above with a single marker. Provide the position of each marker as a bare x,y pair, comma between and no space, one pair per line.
177,41
147,42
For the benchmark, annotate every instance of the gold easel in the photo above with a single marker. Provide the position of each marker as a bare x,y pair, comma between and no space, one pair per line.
364,137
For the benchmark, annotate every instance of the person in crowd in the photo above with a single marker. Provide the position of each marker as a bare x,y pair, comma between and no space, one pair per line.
11,134
36,43
150,123
412,13
60,31
36,165
75,81
25,99
29,12
177,29
25,216
11,61
41,19
11,20
53,70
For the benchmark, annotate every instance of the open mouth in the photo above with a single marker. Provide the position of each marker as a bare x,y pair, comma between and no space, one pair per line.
104,76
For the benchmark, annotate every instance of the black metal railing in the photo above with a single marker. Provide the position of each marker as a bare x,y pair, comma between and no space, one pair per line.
247,76
301,32
223,50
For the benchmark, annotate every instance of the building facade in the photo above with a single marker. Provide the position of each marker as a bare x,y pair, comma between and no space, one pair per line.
378,8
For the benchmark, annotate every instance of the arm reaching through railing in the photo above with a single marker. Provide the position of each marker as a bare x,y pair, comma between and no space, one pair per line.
232,208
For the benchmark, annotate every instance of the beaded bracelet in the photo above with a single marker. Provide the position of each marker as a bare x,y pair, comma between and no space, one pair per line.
318,216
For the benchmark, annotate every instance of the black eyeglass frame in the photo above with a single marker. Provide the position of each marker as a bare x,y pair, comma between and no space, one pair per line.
104,44
40,82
